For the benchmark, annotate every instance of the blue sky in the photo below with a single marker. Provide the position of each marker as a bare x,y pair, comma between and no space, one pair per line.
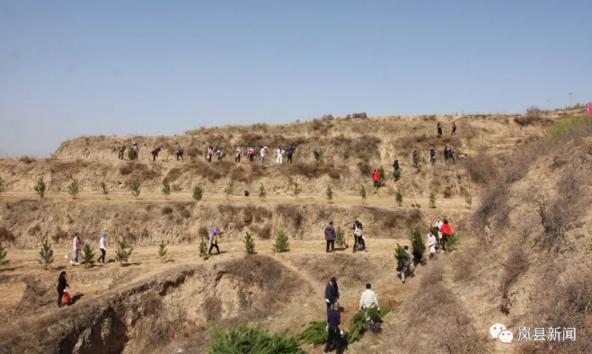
71,68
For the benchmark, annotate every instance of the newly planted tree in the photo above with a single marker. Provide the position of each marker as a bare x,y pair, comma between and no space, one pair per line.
281,242
399,197
123,251
45,254
249,244
417,244
104,189
3,253
73,189
453,242
340,238
40,187
382,175
203,248
87,256
468,199
166,187
229,189
397,175
329,192
135,187
296,189
197,193
363,193
132,154
162,251
262,192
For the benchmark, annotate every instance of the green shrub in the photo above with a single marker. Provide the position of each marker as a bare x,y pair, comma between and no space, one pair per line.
3,253
296,189
166,187
88,256
358,321
123,251
73,189
135,187
45,254
203,248
339,238
399,198
281,242
397,175
132,154
40,187
382,176
363,193
417,245
229,190
249,244
162,251
104,189
315,333
197,193
251,340
262,192
568,125
399,256
329,192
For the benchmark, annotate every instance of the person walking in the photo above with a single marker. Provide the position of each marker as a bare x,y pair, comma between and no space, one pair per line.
262,155
279,156
334,333
251,153
357,229
289,154
439,127
432,243
103,247
376,178
453,132
62,285
210,153
330,237
76,248
237,154
368,298
179,153
121,154
406,263
396,166
214,240
331,292
446,231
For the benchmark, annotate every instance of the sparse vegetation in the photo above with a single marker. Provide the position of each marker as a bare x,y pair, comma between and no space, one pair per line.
329,193
468,198
135,187
123,251
397,175
432,199
399,198
281,242
245,339
382,175
249,244
162,251
453,242
45,254
296,188
73,189
40,187
166,187
3,253
262,192
87,257
197,193
132,154
229,189
203,248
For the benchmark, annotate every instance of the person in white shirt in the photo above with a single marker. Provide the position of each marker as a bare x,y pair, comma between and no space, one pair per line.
262,154
432,242
279,156
368,298
103,247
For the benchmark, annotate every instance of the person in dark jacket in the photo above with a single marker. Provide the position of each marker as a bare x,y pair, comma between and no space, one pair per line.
331,292
330,237
62,285
439,126
289,154
396,166
334,332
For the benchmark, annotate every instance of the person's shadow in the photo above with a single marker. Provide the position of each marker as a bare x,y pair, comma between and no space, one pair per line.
76,297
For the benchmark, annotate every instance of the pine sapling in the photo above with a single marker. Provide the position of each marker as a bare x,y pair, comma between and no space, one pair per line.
382,176
329,192
262,192
229,190
45,254
197,193
203,248
132,154
135,187
123,251
87,256
397,175
166,187
104,189
162,251
281,242
340,238
363,193
3,253
249,244
468,199
40,187
417,244
73,189
399,197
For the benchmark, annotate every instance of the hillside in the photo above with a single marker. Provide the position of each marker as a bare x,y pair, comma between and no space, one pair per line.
526,229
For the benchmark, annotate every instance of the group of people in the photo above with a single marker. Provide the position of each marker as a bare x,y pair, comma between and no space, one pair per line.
357,235
440,130
179,152
251,152
368,299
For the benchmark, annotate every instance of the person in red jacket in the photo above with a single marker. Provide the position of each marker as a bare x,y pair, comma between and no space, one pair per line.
376,178
446,231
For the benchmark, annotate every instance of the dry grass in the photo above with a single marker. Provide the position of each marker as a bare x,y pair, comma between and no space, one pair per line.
482,168
6,235
514,266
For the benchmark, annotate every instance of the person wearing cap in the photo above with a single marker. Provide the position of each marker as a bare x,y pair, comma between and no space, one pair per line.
103,247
